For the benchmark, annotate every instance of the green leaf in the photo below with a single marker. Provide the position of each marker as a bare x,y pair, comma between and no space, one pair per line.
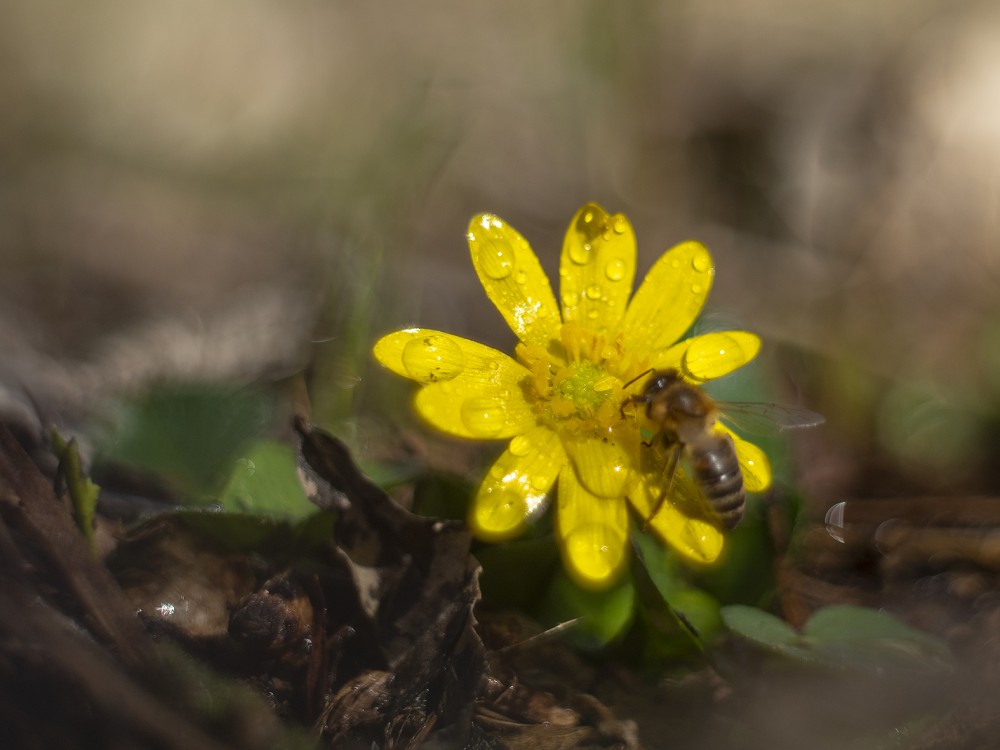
685,616
265,481
862,637
843,637
83,492
759,627
601,615
190,433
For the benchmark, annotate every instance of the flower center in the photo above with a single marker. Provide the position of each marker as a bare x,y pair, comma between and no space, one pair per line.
577,389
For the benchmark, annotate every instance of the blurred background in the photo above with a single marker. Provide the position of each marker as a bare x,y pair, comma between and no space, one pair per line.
240,190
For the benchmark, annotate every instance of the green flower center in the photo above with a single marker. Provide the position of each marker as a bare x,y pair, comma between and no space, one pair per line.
584,384
578,390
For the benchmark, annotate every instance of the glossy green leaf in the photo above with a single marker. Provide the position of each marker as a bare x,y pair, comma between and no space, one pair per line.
190,433
264,481
758,626
601,616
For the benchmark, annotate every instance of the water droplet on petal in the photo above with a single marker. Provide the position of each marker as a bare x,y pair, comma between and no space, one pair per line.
540,483
569,299
594,292
520,277
696,288
615,269
500,511
675,263
496,259
595,553
483,416
433,358
701,261
835,521
520,446
580,253
620,224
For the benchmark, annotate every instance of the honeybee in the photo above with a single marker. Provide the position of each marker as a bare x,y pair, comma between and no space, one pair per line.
686,417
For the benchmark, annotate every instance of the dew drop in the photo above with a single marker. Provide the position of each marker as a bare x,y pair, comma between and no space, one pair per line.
593,314
484,417
496,259
701,261
675,263
430,359
569,299
620,224
696,288
615,269
713,355
502,510
540,482
835,521
594,292
520,277
580,253
520,446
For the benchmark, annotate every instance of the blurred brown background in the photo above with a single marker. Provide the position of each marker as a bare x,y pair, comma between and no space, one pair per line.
234,189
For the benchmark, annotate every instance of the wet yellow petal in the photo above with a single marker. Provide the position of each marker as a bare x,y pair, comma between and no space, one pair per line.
601,465
593,532
694,538
596,269
514,280
754,464
516,486
473,407
710,355
669,299
429,356
472,390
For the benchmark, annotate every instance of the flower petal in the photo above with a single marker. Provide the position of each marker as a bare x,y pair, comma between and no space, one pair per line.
754,464
601,466
517,485
593,532
596,269
695,539
710,355
669,299
429,356
514,280
472,390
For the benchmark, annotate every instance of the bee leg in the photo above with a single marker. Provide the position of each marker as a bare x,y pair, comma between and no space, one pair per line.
631,400
670,469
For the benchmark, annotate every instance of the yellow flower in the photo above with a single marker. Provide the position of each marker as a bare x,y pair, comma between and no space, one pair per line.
559,403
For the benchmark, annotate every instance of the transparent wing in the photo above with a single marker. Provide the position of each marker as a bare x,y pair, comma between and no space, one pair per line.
758,418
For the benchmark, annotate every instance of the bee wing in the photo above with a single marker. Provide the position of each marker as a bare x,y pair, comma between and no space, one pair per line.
758,418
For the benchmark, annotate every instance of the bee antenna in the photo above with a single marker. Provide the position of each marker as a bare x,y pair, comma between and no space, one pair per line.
641,375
